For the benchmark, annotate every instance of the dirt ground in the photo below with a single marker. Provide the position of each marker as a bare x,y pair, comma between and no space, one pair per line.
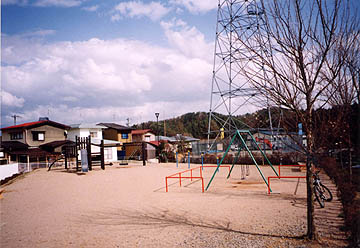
127,206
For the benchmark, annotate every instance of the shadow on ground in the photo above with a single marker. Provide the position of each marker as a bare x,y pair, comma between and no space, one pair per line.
132,219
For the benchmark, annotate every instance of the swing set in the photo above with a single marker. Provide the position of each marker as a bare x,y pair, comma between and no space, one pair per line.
243,135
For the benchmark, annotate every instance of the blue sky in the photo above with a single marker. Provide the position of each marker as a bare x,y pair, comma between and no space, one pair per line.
95,61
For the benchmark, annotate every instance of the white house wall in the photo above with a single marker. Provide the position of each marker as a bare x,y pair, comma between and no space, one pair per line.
113,151
149,137
85,132
72,133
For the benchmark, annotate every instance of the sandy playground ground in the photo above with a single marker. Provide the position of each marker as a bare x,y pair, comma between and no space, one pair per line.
127,206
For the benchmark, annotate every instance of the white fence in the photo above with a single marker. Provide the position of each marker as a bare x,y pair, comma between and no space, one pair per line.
8,170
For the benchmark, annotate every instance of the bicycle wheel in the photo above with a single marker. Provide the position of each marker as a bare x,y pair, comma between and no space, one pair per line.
326,192
319,196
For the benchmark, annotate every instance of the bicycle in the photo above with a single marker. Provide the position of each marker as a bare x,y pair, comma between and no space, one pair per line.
322,193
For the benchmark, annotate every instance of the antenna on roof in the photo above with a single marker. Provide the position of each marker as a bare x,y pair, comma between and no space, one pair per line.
128,122
15,116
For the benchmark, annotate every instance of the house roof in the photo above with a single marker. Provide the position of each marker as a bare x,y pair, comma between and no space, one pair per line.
58,143
115,126
106,142
155,142
141,131
13,145
34,152
177,138
88,126
275,133
29,125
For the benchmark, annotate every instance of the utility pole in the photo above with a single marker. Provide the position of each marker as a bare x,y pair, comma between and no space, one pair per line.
15,116
164,127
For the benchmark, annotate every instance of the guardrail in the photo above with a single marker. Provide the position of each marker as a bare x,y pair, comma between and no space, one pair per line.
180,175
279,177
290,165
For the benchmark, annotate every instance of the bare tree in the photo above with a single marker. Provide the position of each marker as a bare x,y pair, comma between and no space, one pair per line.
300,62
344,90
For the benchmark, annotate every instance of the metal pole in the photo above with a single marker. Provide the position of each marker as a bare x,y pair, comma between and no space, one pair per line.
102,154
227,150
77,152
143,153
234,162
252,157
188,160
202,161
177,162
264,155
157,134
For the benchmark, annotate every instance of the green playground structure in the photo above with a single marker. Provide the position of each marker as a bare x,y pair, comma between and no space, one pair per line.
239,134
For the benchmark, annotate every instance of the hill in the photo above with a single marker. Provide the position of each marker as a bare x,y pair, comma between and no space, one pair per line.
196,124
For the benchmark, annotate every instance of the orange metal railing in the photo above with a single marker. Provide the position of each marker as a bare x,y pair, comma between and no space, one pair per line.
280,178
180,175
289,165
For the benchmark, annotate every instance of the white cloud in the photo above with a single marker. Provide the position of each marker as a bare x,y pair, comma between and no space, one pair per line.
137,114
115,17
91,8
11,100
197,6
58,3
188,40
44,3
99,78
153,10
18,2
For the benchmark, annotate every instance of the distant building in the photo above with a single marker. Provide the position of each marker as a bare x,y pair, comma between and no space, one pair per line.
25,142
95,131
117,132
278,140
140,135
188,143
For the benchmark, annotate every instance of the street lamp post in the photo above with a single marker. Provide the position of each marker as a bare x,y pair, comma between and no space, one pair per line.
157,133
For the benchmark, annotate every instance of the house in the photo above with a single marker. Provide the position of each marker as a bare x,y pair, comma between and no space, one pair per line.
95,131
141,135
22,143
278,140
180,142
117,132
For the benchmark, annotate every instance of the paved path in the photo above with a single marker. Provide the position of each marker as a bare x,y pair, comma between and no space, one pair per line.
328,221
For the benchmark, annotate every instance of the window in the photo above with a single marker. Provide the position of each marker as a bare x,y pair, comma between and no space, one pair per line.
12,157
107,153
16,136
93,134
124,135
38,136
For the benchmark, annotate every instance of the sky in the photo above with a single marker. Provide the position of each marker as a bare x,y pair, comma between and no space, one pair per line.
91,61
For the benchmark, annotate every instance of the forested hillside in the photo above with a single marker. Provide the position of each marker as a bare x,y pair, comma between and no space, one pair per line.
196,124
332,125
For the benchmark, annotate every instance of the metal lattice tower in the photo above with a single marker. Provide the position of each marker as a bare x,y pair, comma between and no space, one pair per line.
240,26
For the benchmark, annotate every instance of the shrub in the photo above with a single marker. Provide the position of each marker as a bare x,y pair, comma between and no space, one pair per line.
347,193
